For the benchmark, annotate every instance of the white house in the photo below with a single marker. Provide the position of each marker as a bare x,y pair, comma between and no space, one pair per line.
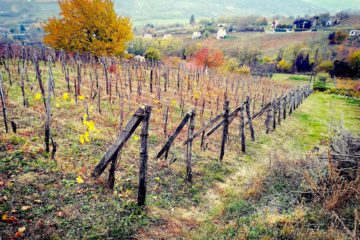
139,58
148,36
221,34
196,35
354,33
168,36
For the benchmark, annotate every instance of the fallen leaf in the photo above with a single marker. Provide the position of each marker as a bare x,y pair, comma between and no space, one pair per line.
25,208
79,180
20,232
8,219
60,214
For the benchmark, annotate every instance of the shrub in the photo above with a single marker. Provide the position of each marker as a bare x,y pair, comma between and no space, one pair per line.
325,66
206,34
354,61
209,58
338,37
153,54
284,66
245,70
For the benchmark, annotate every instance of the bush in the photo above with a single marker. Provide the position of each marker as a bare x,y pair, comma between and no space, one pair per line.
153,54
320,86
206,34
354,61
325,66
338,37
284,66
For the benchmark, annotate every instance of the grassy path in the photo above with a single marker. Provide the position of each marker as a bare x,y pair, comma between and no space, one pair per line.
310,126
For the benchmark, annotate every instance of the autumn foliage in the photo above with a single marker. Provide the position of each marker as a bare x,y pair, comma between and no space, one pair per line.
88,26
209,58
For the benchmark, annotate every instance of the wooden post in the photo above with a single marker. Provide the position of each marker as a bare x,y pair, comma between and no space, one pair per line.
119,143
242,130
279,110
202,143
225,129
267,121
48,116
78,89
22,86
291,104
274,114
189,146
171,139
151,79
13,126
38,77
3,104
113,166
166,117
252,133
285,107
143,156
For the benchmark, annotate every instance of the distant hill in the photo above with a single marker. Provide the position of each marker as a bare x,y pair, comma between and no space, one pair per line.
336,5
141,10
171,11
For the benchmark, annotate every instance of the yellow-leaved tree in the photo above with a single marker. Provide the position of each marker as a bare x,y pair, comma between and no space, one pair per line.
88,26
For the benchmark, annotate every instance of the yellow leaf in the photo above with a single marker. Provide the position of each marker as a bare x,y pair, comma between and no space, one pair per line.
25,208
136,137
173,103
79,180
57,105
38,96
22,229
85,117
81,139
81,98
87,136
66,97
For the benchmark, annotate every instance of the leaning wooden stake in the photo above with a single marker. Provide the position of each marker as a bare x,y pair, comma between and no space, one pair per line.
189,146
119,143
3,104
225,129
171,139
143,156
252,133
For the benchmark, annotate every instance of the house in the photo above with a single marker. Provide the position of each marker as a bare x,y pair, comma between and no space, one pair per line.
196,35
148,36
302,23
139,58
332,22
168,36
354,33
221,34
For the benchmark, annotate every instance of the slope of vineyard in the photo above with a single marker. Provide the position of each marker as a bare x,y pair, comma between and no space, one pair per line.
91,100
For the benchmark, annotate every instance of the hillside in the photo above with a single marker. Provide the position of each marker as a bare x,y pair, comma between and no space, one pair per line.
166,12
141,10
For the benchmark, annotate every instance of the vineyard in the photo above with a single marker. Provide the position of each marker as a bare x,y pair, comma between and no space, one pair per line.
163,131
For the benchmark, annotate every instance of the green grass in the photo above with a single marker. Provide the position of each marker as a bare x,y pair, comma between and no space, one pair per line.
241,217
